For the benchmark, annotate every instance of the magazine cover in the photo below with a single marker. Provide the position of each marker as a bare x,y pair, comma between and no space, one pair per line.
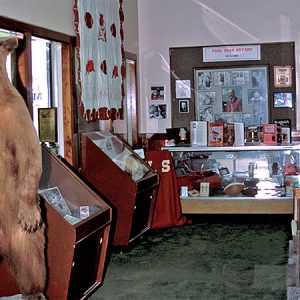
216,134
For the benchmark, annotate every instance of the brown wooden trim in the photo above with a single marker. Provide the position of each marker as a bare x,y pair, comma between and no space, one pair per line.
24,73
68,103
14,25
130,56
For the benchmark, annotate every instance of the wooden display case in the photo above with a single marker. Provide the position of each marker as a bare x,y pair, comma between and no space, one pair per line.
76,244
124,179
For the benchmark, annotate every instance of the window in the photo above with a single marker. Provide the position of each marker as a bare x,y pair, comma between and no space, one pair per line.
41,65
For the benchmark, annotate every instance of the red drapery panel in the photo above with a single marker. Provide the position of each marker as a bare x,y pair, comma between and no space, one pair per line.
168,207
101,57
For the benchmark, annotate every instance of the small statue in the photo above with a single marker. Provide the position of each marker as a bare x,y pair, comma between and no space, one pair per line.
182,136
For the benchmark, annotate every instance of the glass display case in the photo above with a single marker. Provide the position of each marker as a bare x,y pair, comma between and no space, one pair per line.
126,181
78,224
247,179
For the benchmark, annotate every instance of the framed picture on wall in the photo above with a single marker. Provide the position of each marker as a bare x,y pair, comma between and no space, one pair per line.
183,89
234,95
282,76
184,106
283,99
157,92
158,111
47,124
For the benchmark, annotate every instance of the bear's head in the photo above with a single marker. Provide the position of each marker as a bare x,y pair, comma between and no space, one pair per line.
7,46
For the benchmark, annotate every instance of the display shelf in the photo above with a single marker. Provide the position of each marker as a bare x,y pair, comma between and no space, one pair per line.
269,175
78,224
124,179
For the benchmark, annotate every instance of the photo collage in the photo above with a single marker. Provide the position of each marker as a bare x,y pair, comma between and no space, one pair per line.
232,95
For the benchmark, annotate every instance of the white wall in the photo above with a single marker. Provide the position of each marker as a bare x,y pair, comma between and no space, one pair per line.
130,9
176,23
56,15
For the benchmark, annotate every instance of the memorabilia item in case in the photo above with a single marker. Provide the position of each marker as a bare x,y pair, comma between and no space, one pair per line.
123,178
215,134
55,198
285,125
269,134
198,131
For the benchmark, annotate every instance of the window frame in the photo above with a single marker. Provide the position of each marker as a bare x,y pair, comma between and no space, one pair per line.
24,77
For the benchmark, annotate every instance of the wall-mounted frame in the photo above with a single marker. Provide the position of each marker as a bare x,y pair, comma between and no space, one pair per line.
283,99
157,92
184,106
282,76
238,94
183,89
158,111
47,124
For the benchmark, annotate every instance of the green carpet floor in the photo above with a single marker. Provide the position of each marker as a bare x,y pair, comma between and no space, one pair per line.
214,258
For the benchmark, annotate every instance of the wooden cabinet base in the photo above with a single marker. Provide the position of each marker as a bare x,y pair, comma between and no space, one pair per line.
237,206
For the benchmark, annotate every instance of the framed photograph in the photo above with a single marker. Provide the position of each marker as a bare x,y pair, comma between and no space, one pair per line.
47,124
232,99
283,99
206,98
204,80
157,92
258,78
183,89
233,95
282,76
158,111
184,106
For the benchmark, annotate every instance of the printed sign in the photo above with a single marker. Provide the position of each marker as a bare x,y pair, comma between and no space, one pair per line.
231,53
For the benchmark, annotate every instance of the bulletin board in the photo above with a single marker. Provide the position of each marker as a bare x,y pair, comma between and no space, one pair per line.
271,98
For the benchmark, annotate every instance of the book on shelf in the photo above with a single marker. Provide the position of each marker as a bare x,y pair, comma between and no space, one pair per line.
216,134
198,133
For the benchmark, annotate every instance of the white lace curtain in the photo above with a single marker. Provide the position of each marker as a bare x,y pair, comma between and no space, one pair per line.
100,52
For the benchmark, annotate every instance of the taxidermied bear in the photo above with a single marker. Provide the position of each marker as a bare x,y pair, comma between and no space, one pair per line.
22,238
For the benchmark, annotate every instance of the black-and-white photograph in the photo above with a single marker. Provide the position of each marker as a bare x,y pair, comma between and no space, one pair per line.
256,96
240,77
207,98
158,111
258,78
206,114
184,106
221,78
204,81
